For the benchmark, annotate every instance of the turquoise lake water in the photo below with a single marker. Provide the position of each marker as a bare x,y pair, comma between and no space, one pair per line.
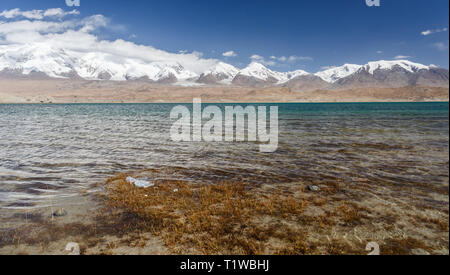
54,151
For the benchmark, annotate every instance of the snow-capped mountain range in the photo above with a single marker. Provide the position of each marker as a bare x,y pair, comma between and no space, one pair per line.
334,74
26,60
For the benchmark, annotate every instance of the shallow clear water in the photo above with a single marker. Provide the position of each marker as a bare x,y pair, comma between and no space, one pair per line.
54,151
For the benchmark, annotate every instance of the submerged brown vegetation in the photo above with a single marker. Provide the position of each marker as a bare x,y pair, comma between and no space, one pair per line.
181,217
236,218
224,218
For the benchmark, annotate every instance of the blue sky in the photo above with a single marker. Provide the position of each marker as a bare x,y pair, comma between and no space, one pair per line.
313,33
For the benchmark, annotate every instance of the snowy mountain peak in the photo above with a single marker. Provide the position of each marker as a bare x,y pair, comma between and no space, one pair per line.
222,68
175,70
58,63
221,72
259,71
335,73
36,58
294,74
409,66
256,66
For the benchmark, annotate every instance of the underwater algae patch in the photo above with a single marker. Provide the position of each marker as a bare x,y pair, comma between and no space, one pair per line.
236,218
246,219
223,218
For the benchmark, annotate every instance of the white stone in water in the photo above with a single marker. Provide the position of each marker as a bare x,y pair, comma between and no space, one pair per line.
419,251
140,182
313,188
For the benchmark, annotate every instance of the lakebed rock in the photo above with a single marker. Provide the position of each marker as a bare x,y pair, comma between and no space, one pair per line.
419,251
61,212
313,188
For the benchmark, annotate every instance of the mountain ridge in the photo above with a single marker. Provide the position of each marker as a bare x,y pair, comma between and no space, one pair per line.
41,60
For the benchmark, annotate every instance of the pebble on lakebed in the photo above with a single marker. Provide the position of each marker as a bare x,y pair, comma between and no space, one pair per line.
60,213
314,188
420,252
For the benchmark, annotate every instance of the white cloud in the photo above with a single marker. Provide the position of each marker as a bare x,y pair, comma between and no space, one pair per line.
281,60
440,46
256,57
402,57
94,22
59,13
30,31
229,54
34,14
262,60
379,52
294,58
79,37
428,32
324,68
37,14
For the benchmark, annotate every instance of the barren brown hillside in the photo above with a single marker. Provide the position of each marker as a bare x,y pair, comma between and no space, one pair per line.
64,91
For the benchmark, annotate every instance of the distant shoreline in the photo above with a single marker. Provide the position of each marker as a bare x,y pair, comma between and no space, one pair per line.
279,103
84,92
